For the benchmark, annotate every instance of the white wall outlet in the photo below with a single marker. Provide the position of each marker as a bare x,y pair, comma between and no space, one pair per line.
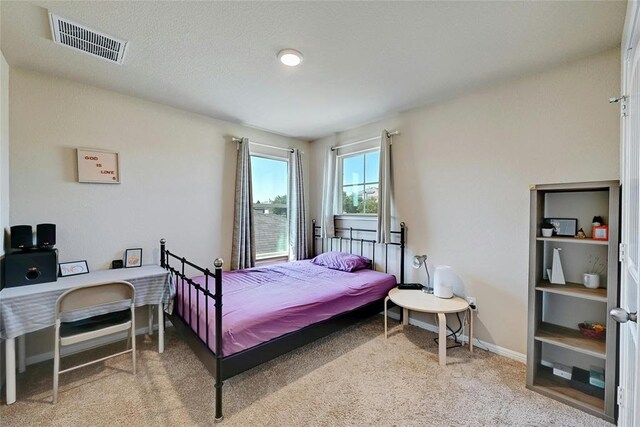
472,302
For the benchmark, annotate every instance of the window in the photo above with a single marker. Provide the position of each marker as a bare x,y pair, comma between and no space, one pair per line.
360,183
270,215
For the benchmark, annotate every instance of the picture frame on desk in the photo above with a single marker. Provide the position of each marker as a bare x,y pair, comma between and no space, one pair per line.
72,268
133,258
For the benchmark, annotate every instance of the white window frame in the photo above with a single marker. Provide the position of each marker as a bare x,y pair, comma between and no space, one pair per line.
275,255
341,157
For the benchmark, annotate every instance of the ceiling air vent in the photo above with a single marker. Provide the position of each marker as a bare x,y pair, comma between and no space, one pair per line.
79,37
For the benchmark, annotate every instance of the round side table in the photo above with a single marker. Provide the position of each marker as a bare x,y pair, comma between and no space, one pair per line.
415,300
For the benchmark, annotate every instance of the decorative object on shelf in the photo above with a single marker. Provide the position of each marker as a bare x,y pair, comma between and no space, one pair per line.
580,381
567,227
591,281
547,229
562,371
73,268
418,261
581,234
596,266
98,166
596,222
596,377
592,330
600,232
117,263
443,281
557,273
133,257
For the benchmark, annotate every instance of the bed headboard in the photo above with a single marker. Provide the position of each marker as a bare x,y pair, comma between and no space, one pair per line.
350,239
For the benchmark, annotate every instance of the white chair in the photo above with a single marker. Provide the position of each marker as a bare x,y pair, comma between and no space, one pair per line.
87,297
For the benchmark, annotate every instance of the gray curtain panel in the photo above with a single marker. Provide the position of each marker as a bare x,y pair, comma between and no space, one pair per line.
384,190
329,195
243,249
298,248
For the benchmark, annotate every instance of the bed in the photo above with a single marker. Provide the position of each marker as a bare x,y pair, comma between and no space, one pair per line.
263,303
240,319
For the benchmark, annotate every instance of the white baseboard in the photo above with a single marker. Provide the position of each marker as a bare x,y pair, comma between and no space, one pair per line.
514,355
98,342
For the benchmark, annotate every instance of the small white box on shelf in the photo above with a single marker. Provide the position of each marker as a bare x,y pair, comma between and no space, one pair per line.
562,371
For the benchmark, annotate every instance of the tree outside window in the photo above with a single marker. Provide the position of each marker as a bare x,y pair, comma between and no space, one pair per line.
360,183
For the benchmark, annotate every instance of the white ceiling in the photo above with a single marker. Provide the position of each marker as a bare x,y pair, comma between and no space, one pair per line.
362,61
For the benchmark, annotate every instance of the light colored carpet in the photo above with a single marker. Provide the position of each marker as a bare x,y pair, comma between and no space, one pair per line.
354,377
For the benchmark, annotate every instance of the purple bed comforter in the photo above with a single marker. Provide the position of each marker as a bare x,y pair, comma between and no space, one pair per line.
263,303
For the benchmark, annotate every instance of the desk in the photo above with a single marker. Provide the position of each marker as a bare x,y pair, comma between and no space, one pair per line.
416,300
30,308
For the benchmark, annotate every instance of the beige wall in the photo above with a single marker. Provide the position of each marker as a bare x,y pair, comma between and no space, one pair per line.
178,173
463,167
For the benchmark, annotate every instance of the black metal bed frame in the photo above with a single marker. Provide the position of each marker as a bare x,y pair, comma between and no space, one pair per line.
224,367
350,237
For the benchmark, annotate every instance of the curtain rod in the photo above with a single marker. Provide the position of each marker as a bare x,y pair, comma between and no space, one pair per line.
239,140
337,147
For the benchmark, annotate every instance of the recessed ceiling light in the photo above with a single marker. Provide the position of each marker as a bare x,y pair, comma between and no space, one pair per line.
290,57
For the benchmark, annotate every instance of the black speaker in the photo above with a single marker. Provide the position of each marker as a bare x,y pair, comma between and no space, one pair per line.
30,268
46,235
21,237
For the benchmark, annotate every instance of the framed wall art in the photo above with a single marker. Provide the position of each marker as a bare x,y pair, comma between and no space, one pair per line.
98,166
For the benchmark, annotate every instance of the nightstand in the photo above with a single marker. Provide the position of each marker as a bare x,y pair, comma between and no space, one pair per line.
428,303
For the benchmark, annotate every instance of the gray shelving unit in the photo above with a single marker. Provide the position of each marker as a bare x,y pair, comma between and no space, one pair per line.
554,310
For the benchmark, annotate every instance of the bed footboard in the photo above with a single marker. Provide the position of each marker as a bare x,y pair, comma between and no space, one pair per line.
180,281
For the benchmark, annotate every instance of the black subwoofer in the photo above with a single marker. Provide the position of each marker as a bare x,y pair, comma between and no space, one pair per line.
46,235
30,268
21,237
